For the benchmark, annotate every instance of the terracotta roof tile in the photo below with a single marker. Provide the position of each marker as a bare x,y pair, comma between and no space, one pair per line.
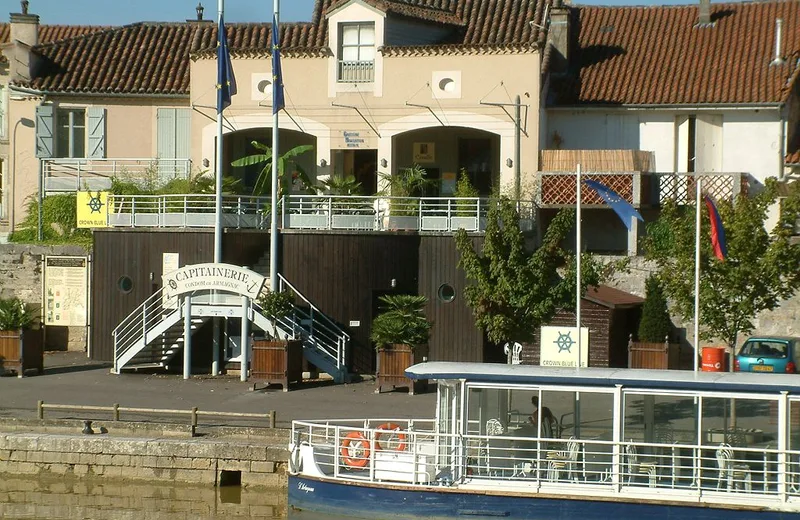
658,55
154,58
51,33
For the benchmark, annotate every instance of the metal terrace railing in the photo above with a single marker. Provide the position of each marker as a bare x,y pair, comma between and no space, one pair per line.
318,212
412,452
68,174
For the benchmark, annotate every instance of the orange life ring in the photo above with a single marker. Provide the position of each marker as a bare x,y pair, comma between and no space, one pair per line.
352,444
395,435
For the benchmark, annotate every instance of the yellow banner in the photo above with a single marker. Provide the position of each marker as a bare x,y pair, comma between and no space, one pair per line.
92,211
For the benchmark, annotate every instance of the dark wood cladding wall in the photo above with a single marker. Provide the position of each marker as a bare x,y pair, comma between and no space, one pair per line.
595,317
454,336
342,274
134,254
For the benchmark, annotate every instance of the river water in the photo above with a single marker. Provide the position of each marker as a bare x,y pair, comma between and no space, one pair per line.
78,499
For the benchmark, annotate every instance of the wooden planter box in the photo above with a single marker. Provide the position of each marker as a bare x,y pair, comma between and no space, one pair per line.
661,356
392,364
277,362
21,350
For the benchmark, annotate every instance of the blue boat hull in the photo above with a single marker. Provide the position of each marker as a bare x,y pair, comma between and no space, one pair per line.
385,503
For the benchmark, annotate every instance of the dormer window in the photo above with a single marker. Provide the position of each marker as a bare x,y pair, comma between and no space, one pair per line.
356,53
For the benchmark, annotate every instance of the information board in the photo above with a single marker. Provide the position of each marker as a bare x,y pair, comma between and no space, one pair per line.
66,290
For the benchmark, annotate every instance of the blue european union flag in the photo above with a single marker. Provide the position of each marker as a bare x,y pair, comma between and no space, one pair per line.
621,206
278,101
226,83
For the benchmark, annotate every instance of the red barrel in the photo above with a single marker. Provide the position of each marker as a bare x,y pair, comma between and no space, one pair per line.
714,359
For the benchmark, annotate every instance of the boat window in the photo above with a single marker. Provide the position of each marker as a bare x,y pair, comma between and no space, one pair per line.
661,419
794,425
740,422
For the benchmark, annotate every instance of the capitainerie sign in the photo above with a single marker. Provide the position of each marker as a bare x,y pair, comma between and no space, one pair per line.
219,277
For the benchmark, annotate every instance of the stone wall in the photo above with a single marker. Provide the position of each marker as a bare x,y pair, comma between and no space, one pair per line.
783,321
193,461
21,276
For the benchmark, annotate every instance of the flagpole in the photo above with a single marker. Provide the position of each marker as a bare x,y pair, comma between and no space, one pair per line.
697,274
578,259
215,340
273,228
218,189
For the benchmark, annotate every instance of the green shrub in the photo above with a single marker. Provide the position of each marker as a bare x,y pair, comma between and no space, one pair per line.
655,324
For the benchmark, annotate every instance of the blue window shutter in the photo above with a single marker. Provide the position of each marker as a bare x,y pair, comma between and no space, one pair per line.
96,119
44,131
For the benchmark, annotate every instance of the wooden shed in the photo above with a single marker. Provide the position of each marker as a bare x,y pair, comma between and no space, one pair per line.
610,314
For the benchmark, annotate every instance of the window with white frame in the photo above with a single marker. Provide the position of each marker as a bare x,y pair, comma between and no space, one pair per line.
71,132
356,52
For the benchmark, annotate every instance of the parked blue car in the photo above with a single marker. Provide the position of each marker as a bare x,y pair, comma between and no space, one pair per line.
779,354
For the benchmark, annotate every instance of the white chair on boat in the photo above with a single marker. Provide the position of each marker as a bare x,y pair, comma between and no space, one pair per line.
563,460
493,456
634,466
733,473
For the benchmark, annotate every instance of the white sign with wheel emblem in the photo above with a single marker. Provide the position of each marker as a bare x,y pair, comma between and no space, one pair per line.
559,347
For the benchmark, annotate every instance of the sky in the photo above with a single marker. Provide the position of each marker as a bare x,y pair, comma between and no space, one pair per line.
121,12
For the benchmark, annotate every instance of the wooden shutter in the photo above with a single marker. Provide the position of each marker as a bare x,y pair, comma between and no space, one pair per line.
96,120
44,131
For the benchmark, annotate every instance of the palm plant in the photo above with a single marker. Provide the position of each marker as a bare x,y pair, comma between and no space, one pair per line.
402,321
264,180
340,185
14,314
407,182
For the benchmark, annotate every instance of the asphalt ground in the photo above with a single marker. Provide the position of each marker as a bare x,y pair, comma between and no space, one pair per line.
71,378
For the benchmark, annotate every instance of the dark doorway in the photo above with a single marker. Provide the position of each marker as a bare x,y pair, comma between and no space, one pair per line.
365,170
435,177
475,156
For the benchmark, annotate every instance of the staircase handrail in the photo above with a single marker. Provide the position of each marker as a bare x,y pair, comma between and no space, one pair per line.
136,325
324,340
284,282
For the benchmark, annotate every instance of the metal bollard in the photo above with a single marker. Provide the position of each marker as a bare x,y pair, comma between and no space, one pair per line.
40,409
116,411
194,417
272,418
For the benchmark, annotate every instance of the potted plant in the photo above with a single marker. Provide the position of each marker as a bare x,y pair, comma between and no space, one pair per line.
405,187
400,333
20,344
276,359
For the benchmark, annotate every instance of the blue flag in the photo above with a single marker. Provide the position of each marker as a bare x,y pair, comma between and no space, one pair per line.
278,101
622,207
226,83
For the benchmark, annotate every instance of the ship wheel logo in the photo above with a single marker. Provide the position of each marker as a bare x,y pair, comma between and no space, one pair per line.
95,204
564,342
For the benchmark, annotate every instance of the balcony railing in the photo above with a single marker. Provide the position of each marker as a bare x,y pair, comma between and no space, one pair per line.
68,175
317,212
356,71
556,189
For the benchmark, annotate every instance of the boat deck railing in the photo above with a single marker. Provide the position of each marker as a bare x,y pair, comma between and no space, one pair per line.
411,452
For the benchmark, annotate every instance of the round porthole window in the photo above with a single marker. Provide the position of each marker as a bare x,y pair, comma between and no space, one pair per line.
446,293
447,85
125,284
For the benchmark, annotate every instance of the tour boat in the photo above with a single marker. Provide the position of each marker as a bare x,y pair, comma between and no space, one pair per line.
602,443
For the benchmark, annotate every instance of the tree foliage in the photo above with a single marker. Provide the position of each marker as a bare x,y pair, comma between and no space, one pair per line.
655,324
513,292
761,269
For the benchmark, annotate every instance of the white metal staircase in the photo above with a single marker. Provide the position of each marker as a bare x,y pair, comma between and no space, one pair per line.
324,342
153,334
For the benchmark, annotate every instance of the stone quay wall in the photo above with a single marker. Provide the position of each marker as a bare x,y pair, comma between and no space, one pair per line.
191,461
